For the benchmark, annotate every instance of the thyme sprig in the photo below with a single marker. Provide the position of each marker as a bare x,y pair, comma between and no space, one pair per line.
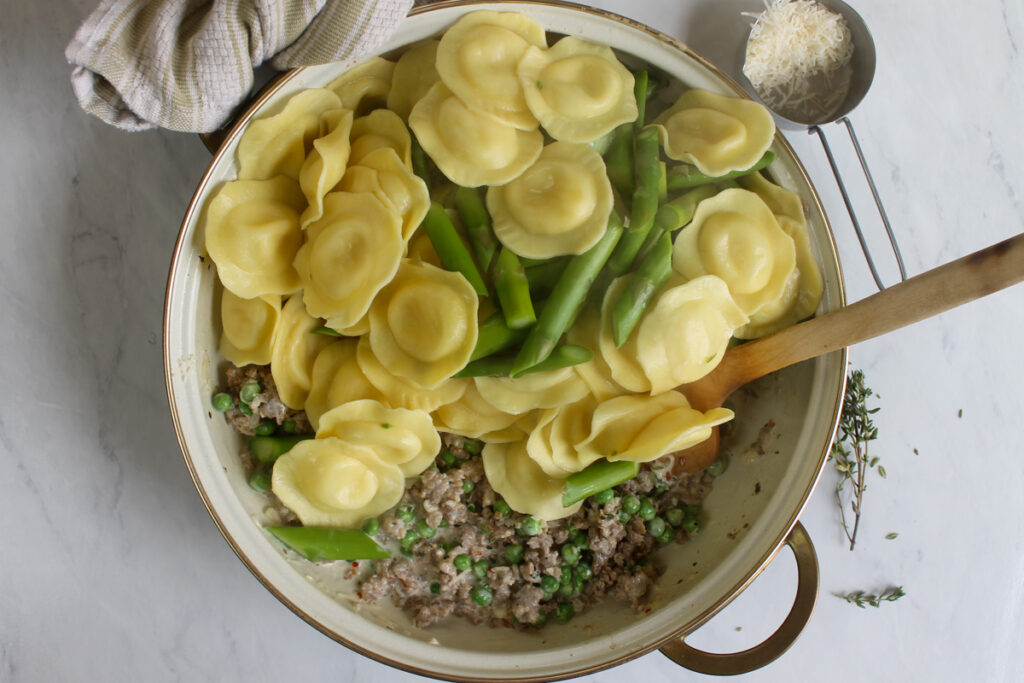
850,450
862,599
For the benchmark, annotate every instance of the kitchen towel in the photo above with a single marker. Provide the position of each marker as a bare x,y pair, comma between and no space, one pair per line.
186,65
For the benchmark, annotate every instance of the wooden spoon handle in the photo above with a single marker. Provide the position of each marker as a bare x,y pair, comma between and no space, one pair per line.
920,297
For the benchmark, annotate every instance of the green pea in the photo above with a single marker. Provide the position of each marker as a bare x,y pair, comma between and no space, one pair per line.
405,513
692,526
579,538
222,402
371,526
245,409
564,612
691,511
570,554
249,391
480,568
541,619
656,527
265,428
583,571
481,595
668,535
647,510
530,526
721,464
502,508
425,530
435,588
514,553
473,446
549,584
578,583
411,536
448,458
567,589
566,575
462,562
631,504
288,426
467,486
624,517
674,516
260,481
604,497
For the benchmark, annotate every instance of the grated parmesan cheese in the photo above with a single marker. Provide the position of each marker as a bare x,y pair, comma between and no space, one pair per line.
798,58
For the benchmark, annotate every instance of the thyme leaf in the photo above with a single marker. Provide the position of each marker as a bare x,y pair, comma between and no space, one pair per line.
862,599
850,451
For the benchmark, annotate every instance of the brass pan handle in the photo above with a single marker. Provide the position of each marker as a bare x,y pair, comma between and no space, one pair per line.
764,653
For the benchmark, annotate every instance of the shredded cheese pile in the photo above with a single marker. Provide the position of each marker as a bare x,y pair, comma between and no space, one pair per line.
797,54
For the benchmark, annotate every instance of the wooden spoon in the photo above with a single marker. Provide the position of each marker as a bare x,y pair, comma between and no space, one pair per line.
930,293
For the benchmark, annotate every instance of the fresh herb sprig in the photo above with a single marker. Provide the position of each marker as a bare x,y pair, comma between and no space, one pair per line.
862,599
850,451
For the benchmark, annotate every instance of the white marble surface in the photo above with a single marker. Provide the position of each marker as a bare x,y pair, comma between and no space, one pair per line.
113,571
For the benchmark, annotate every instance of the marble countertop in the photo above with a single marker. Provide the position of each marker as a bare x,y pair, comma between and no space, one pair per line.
113,570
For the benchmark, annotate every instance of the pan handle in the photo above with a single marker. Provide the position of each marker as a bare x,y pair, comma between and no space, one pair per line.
764,653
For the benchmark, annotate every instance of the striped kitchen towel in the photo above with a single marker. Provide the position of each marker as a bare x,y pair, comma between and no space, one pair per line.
186,64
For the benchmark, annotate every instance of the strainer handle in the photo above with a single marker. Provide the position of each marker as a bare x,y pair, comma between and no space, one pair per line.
771,649
849,204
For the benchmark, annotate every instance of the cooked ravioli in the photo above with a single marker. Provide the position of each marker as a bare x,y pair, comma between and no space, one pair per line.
470,148
477,60
645,428
252,233
334,483
294,351
380,129
789,212
326,162
735,236
401,392
522,483
423,324
552,443
414,74
559,205
622,361
383,173
545,389
406,438
278,144
364,86
336,379
247,327
716,133
349,255
474,417
686,332
578,90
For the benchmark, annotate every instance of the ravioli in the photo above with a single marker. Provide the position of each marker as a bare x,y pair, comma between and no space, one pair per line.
413,76
405,393
522,483
336,379
685,333
423,324
293,353
326,162
577,90
558,206
477,60
333,483
380,129
475,418
622,361
716,133
382,173
252,234
545,389
406,438
278,144
788,210
364,86
248,327
552,443
645,428
469,148
349,255
735,236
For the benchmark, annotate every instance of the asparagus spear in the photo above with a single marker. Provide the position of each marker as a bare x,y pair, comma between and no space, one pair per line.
618,160
675,214
477,222
647,171
643,284
501,366
602,475
320,544
567,298
513,290
495,335
685,176
450,248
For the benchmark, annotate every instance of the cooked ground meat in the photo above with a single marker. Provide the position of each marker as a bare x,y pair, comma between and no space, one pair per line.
265,406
